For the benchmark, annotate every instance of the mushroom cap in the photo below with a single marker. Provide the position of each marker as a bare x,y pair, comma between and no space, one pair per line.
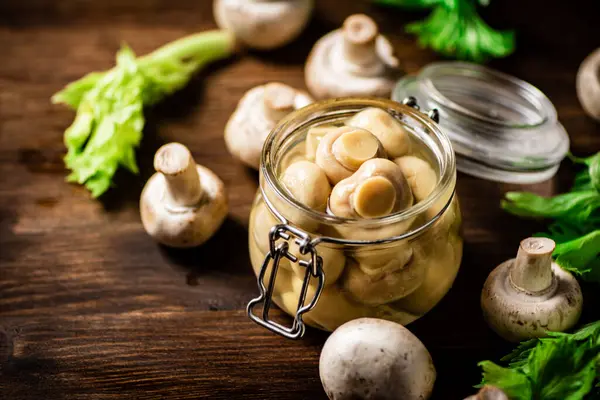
489,393
263,24
178,226
441,267
343,150
370,358
332,310
334,262
588,84
364,195
421,177
308,184
251,122
392,135
517,315
374,284
329,73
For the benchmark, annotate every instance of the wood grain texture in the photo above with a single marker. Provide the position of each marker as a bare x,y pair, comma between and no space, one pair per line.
92,308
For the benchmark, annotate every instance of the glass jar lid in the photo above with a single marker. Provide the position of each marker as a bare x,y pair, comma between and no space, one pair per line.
501,128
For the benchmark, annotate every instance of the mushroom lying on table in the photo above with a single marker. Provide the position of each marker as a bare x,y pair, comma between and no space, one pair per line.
370,358
263,24
588,84
489,393
352,61
257,113
525,297
182,204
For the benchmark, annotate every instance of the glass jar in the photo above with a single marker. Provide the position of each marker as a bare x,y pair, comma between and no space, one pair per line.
325,270
501,127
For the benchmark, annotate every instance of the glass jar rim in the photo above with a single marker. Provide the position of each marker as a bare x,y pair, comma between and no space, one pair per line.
285,127
535,97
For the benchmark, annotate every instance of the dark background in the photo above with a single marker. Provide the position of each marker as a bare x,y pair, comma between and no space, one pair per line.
92,308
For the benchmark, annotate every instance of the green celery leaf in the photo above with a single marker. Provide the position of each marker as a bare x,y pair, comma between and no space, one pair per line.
512,381
563,369
574,205
580,255
109,122
558,367
455,29
594,171
74,92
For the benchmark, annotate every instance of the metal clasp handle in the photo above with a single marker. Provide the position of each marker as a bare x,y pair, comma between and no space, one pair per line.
433,114
314,268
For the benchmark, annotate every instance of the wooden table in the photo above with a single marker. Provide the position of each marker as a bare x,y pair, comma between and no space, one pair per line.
92,308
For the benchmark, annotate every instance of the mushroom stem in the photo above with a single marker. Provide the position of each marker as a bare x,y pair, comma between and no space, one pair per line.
278,100
532,269
360,33
175,162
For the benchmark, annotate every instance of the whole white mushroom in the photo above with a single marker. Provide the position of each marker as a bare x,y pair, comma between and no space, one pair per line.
182,204
370,358
529,295
588,84
352,61
256,114
263,24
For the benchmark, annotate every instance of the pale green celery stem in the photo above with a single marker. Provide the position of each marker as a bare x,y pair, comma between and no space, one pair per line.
201,47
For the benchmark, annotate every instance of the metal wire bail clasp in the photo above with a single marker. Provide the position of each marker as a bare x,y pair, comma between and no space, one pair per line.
314,268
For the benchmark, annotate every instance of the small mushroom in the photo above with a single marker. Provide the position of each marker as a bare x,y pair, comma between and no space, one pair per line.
376,189
334,262
441,262
182,204
332,310
308,184
313,138
263,24
374,284
343,150
352,61
421,178
257,113
489,393
525,297
588,84
392,135
372,358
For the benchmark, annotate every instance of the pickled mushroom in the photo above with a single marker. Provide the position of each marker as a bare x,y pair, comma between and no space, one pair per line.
419,174
332,310
388,283
441,267
313,138
308,184
392,135
334,262
343,150
376,189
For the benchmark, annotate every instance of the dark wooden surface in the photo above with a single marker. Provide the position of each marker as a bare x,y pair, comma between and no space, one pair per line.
92,308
